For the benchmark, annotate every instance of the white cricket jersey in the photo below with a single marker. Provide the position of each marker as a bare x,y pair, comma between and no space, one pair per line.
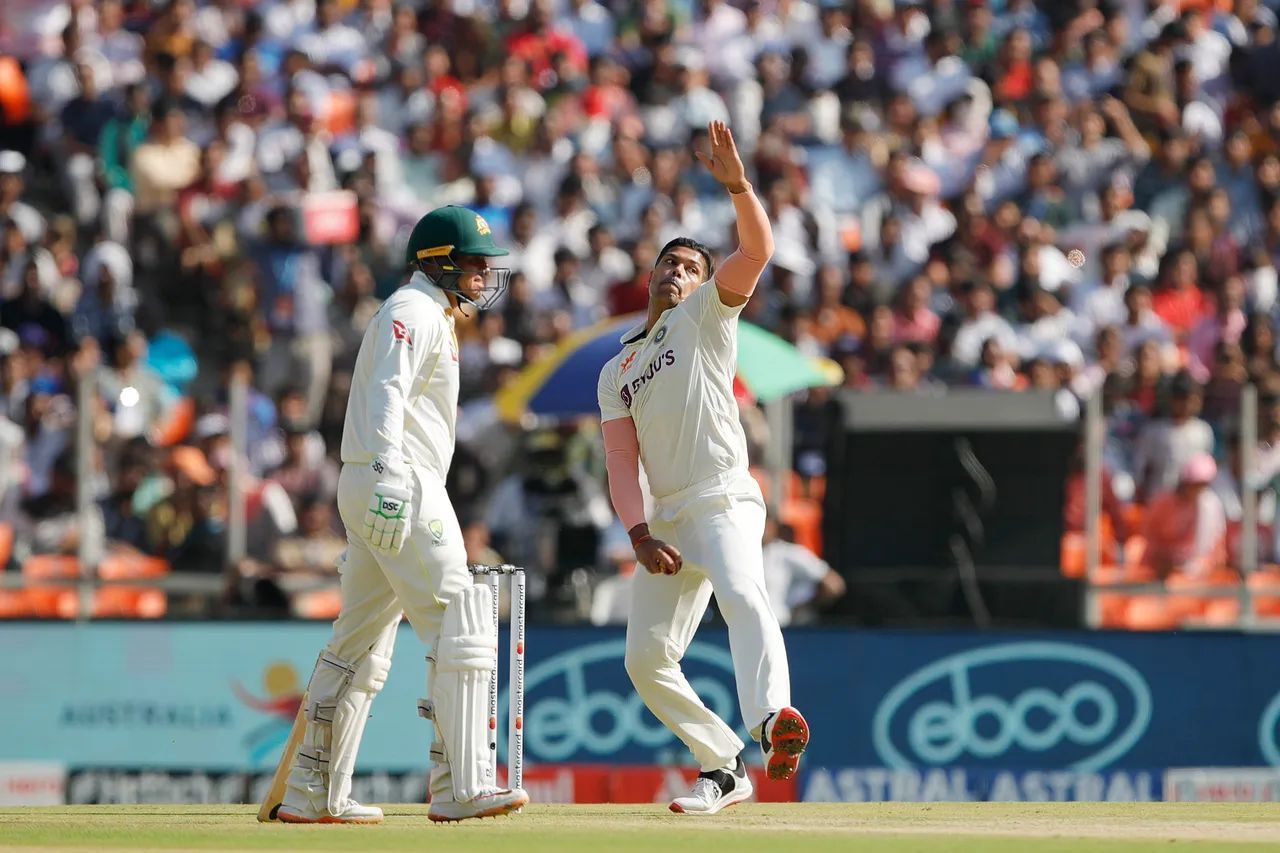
676,383
404,394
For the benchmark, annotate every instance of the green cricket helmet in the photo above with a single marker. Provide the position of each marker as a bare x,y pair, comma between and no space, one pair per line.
448,232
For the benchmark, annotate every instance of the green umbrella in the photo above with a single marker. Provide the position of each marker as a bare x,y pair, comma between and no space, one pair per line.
773,368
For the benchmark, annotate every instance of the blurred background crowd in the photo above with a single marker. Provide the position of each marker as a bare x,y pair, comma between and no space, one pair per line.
1080,196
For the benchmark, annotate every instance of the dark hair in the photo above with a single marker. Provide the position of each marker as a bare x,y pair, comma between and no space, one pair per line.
690,243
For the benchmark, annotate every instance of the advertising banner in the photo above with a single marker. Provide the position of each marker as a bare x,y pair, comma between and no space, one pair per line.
1070,715
32,783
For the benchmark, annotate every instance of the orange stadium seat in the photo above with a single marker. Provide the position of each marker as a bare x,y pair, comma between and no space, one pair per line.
6,544
117,601
1150,613
805,520
52,602
1196,607
14,604
317,604
1265,586
39,567
132,566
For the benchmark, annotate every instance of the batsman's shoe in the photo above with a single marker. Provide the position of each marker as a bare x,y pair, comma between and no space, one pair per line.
490,803
784,736
352,812
715,790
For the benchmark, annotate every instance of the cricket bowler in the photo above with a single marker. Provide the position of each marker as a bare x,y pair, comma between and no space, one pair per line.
404,545
667,400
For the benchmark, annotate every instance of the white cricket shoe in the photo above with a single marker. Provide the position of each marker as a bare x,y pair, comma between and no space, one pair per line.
490,803
352,812
715,790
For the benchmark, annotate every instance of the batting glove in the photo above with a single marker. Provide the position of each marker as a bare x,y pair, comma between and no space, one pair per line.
386,521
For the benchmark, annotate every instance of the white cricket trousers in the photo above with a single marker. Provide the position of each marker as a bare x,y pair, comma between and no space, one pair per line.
420,580
718,525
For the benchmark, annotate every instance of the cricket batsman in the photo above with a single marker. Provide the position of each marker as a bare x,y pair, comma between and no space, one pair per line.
404,545
667,400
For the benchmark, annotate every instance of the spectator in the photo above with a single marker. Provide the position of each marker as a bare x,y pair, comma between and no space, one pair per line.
1186,527
1168,444
980,323
293,298
305,476
797,580
136,397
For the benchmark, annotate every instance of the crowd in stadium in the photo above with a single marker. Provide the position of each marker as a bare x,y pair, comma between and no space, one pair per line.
1068,195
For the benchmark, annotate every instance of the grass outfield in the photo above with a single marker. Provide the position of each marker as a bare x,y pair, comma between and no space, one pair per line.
775,828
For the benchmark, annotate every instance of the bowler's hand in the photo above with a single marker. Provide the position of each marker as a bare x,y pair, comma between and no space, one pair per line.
658,557
724,164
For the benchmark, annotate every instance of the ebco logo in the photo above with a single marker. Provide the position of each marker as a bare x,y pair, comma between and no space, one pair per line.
1013,703
570,714
1269,732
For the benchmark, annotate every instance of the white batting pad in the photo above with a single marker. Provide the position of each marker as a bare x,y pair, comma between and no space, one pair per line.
464,659
339,696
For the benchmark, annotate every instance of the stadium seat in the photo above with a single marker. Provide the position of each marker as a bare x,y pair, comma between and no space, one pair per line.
1074,557
131,566
14,604
317,604
40,567
52,602
118,601
1150,613
1113,608
1187,606
1265,587
6,544
805,519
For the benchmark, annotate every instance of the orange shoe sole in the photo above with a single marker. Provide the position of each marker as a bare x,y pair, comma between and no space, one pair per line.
787,743
496,811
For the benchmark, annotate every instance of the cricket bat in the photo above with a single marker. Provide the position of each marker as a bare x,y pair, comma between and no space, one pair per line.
275,794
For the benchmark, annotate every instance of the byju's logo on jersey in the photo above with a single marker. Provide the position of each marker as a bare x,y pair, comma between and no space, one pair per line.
400,332
667,359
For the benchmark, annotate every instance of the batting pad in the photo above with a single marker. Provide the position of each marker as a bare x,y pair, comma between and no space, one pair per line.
464,660
340,694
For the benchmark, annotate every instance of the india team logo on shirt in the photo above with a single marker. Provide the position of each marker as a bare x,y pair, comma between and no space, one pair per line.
660,335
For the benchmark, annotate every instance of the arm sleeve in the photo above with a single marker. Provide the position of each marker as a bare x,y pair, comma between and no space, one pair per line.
612,404
622,460
404,340
740,273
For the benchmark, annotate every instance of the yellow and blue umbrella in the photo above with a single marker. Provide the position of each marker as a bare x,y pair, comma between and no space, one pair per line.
563,384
